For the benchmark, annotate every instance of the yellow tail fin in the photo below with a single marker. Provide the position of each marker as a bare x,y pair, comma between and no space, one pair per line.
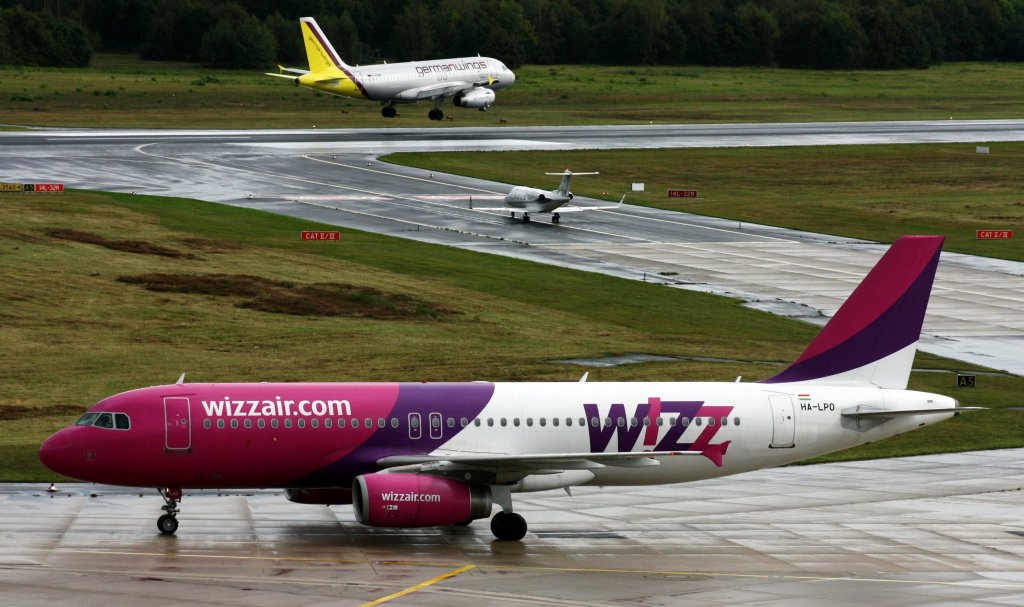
319,52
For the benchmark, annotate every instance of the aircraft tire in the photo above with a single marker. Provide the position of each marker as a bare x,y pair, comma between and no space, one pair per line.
388,111
556,218
508,526
526,218
167,524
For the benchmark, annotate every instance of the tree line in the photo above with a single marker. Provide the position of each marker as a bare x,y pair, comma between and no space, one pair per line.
828,34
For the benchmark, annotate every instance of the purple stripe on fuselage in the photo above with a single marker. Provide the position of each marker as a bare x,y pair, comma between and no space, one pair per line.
451,400
897,328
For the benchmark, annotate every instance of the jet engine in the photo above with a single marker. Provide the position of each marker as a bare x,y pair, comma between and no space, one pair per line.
478,98
326,495
417,500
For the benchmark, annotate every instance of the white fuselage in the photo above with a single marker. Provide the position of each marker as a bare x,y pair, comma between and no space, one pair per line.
765,425
534,200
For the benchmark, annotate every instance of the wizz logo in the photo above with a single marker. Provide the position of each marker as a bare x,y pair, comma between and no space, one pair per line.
628,433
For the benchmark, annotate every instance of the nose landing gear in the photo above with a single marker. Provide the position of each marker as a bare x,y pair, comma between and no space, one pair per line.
168,523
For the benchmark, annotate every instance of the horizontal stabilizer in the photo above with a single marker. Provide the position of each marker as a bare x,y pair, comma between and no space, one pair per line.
864,412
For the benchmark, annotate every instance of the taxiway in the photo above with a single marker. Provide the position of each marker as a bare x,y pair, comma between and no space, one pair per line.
933,530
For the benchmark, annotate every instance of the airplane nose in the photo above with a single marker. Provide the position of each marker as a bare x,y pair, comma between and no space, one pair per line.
53,453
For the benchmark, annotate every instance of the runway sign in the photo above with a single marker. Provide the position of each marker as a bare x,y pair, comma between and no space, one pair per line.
994,234
966,381
321,236
682,193
31,187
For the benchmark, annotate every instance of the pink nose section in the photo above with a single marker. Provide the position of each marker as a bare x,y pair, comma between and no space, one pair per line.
54,453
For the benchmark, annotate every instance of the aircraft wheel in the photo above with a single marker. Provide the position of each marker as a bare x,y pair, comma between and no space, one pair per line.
508,526
388,111
526,218
435,114
556,218
513,214
167,524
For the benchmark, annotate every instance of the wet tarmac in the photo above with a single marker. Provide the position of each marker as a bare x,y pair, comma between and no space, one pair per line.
934,530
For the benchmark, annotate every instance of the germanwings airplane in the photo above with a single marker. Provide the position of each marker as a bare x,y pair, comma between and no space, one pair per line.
470,81
430,454
533,200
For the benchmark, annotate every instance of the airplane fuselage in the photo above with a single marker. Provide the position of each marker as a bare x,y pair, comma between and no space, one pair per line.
324,435
534,200
411,81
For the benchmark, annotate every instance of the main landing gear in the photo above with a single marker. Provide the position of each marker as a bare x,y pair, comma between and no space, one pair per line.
555,218
436,113
168,523
388,111
508,526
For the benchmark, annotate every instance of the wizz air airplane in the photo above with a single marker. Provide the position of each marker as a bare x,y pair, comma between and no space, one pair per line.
431,454
533,200
470,81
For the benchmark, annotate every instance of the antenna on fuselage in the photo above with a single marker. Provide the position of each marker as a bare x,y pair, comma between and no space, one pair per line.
181,380
583,379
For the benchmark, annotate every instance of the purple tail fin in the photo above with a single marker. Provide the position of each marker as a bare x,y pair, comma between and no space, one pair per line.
873,337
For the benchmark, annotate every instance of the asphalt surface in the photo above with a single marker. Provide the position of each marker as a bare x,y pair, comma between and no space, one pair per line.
935,530
333,176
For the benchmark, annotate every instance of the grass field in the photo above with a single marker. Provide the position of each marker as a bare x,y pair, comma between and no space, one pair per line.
876,192
79,324
122,91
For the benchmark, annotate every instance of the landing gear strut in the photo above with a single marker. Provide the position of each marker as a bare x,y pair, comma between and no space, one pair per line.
168,523
436,113
508,526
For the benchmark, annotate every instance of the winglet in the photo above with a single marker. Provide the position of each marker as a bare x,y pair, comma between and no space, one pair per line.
716,452
872,339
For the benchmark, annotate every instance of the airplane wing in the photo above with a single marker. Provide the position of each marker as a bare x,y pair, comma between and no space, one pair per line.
548,462
571,208
440,89
565,208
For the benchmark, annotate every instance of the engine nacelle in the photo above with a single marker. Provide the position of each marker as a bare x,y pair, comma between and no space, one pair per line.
417,500
474,98
326,495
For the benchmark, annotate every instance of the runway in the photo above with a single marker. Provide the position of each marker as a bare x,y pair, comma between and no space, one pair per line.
333,176
935,530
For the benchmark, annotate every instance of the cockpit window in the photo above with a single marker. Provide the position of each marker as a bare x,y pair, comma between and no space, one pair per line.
87,419
120,421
